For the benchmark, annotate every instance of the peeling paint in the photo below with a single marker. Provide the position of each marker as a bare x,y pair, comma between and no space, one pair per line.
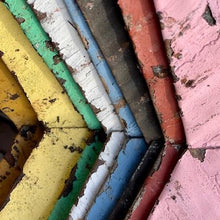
98,175
41,184
70,45
108,30
207,15
39,40
198,153
128,159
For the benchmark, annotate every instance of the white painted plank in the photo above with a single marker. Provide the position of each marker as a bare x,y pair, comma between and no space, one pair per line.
64,35
98,176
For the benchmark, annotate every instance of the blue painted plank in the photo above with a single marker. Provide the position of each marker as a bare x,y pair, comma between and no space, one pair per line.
128,160
104,71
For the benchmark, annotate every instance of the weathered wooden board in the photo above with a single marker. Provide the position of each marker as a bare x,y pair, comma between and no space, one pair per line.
36,193
127,160
154,184
113,41
39,39
193,43
112,88
56,24
64,140
16,106
193,190
134,185
143,26
191,34
98,175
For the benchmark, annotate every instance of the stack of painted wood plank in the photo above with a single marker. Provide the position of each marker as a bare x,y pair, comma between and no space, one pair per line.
87,89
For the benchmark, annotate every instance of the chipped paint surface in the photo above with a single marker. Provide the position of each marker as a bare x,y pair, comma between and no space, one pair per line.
63,142
42,44
155,183
143,170
145,33
25,63
128,159
193,32
193,191
13,100
138,98
98,175
57,24
37,192
79,174
16,106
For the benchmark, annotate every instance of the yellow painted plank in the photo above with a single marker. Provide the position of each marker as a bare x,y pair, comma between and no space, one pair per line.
11,165
46,95
16,106
45,173
13,102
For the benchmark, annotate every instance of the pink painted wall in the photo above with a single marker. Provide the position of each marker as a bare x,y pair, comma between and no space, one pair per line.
195,57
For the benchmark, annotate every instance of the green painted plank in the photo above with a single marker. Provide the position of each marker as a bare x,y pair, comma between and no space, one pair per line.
41,42
80,174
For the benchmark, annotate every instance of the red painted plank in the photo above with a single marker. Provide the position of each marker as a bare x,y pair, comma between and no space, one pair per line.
144,29
141,20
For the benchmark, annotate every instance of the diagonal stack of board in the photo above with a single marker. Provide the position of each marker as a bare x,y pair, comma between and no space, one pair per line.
109,20
64,139
16,107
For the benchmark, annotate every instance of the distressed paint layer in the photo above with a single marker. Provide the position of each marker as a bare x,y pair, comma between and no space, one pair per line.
112,39
13,102
155,183
142,24
56,24
45,173
193,191
42,44
16,106
36,194
134,185
104,71
194,44
128,159
98,175
78,176
23,61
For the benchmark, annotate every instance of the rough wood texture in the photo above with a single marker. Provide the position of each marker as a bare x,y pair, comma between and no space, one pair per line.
98,175
111,86
57,24
41,42
128,159
143,26
113,41
62,143
191,33
193,191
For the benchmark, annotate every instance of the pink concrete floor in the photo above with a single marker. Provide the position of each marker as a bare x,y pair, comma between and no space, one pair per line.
193,46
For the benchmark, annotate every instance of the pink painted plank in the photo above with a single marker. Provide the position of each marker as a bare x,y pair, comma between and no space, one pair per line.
193,191
191,33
